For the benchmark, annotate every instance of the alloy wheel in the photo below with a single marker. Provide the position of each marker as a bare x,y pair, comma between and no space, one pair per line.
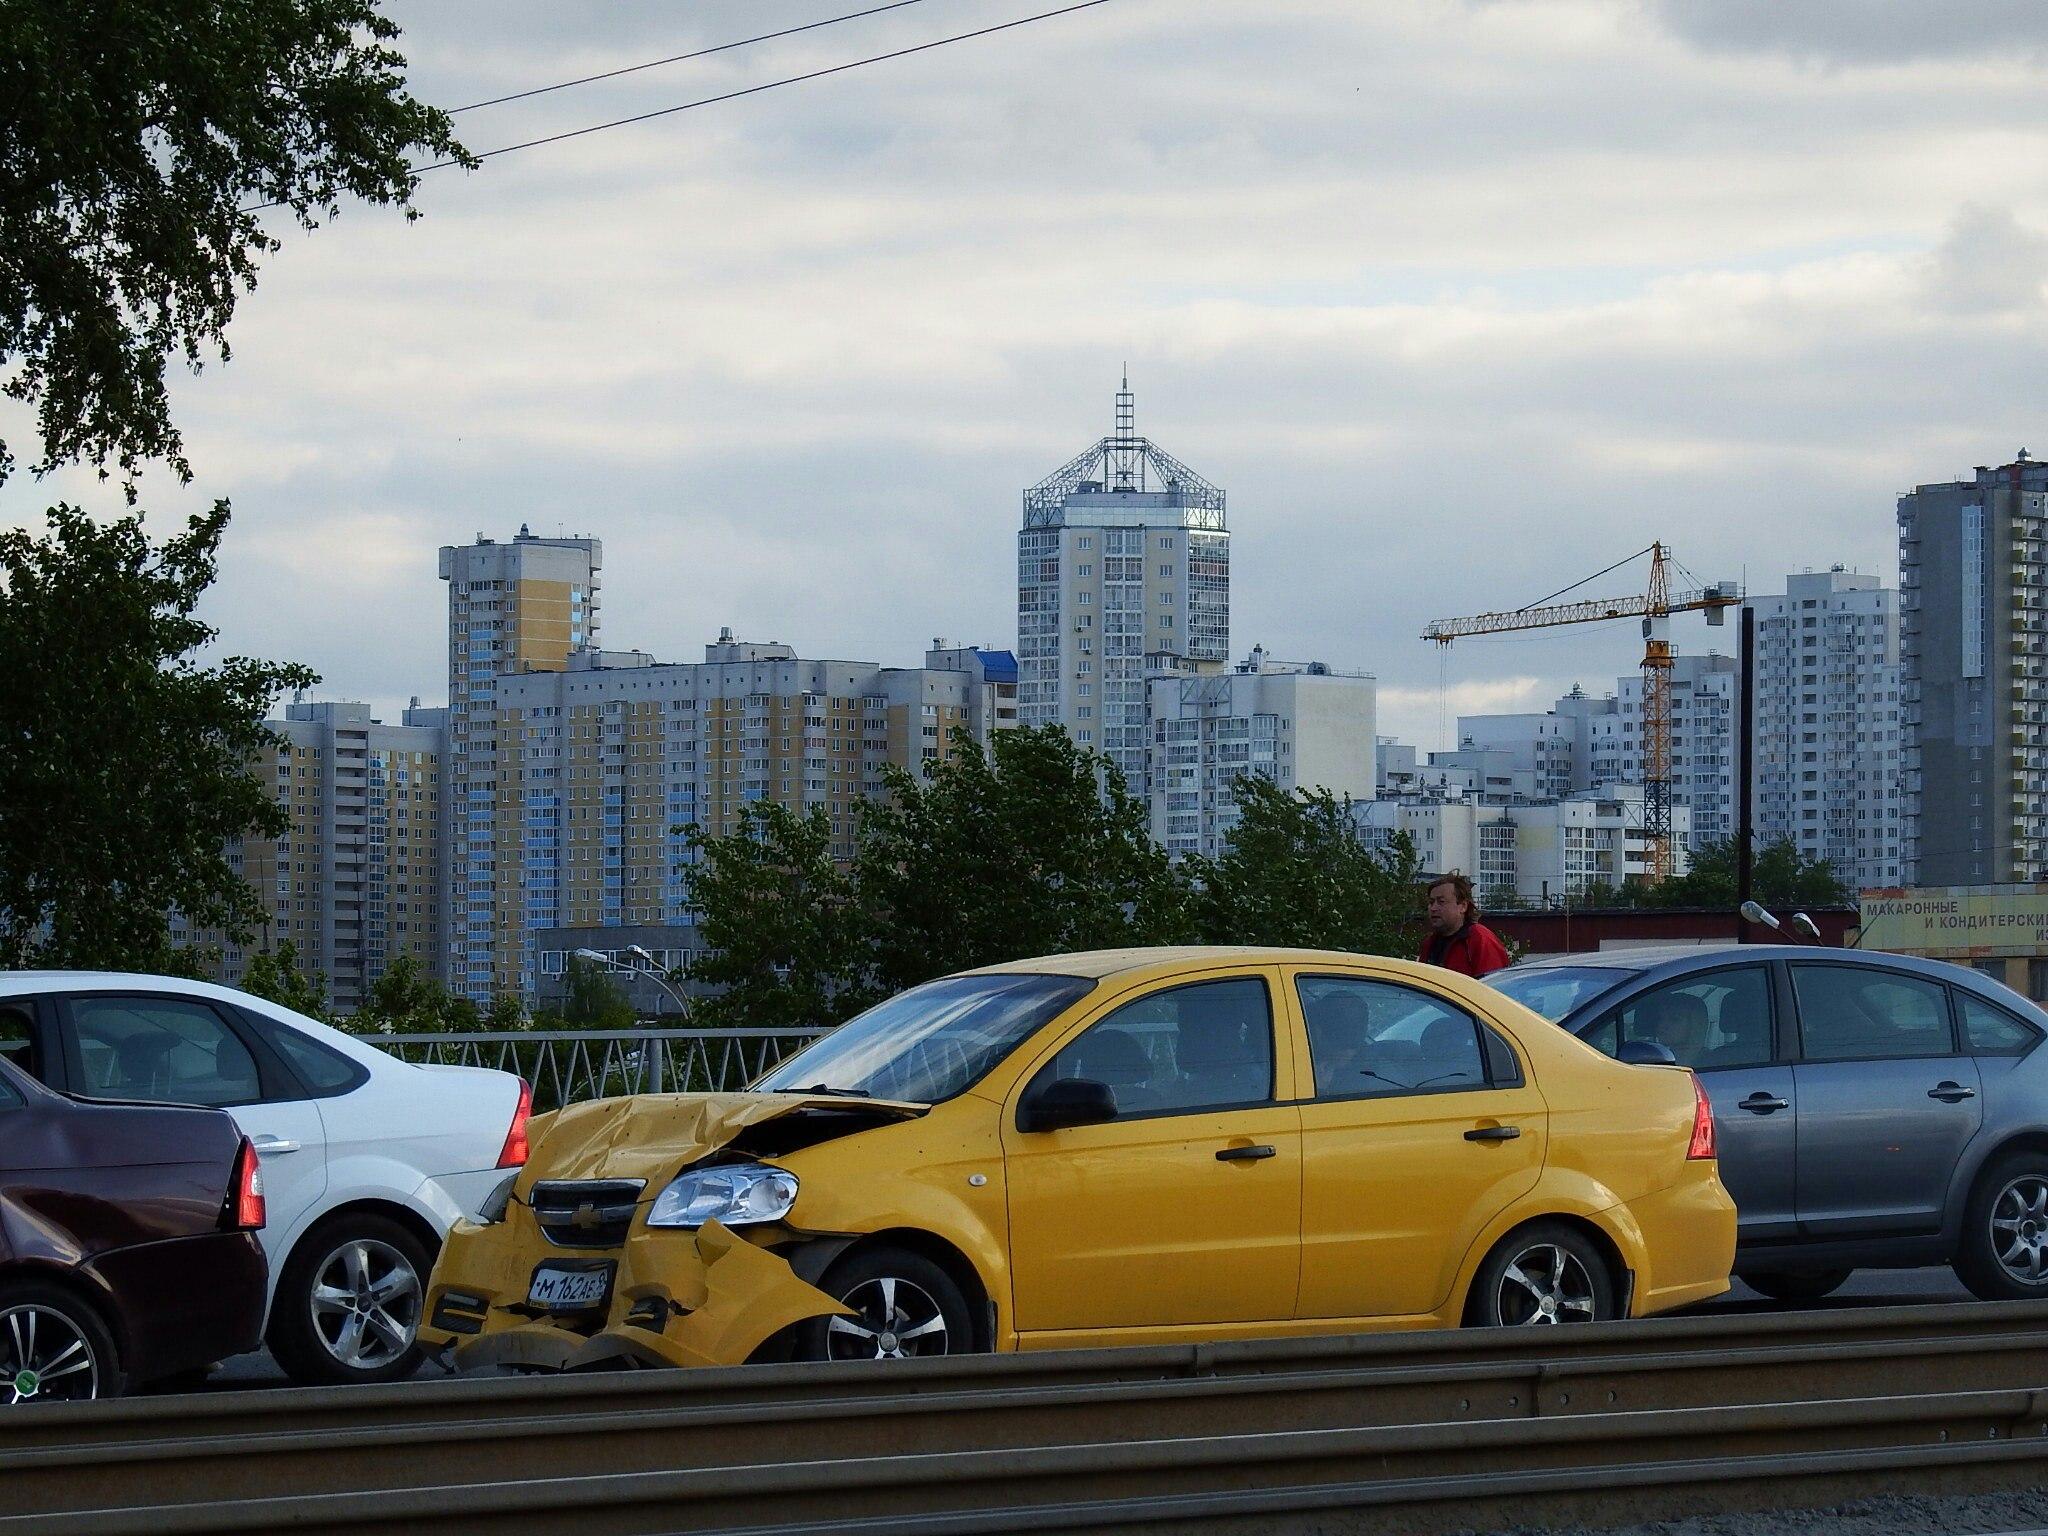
895,1319
2019,1228
44,1357
1545,1284
366,1304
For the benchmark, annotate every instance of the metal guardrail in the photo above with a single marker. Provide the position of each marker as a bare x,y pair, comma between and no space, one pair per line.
567,1066
1390,1432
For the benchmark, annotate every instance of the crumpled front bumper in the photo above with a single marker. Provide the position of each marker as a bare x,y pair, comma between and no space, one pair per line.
684,1298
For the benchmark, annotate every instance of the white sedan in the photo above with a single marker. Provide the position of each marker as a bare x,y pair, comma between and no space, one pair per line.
367,1160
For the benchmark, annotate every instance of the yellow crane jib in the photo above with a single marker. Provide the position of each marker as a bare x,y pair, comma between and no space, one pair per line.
1654,608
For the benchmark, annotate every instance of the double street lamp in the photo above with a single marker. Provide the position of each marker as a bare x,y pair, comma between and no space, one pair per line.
649,970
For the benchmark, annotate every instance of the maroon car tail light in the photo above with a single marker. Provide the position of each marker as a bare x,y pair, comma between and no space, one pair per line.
514,1153
245,1201
1702,1123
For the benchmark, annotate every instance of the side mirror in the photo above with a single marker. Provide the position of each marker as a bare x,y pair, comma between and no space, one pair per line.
1646,1053
1066,1101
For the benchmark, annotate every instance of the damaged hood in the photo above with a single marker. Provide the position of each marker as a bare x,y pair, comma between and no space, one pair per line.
655,1136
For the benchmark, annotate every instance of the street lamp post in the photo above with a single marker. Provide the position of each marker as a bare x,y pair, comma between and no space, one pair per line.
650,972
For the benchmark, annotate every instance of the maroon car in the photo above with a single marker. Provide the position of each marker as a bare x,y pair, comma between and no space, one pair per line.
127,1243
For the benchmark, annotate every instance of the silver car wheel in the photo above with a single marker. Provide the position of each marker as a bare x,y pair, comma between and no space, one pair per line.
2019,1228
365,1303
895,1320
45,1358
1545,1284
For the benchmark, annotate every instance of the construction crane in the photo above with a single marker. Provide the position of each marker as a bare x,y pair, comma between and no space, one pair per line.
1654,608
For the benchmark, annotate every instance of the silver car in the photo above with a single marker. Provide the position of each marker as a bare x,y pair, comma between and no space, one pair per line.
1873,1111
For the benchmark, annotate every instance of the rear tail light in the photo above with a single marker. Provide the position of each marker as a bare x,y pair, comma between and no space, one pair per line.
245,1198
513,1155
1702,1123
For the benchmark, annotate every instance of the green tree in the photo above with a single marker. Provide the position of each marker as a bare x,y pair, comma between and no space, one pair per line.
1293,871
592,1000
1779,877
786,943
1034,847
139,144
507,1013
124,759
276,974
405,1000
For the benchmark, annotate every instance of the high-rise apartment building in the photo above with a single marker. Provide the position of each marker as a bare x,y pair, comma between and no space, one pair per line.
603,764
356,880
1123,554
1542,852
1827,755
513,609
1973,648
1584,744
1302,725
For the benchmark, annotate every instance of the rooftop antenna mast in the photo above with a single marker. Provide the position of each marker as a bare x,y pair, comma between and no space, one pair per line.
1126,451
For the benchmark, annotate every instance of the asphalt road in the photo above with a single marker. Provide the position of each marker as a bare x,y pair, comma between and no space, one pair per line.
1868,1288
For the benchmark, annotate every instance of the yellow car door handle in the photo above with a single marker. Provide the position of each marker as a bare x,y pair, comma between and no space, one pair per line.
1243,1154
1493,1133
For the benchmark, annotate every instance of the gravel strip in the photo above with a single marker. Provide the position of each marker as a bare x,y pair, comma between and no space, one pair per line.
1963,1515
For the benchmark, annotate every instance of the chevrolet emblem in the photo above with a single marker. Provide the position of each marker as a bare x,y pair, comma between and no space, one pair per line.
586,1217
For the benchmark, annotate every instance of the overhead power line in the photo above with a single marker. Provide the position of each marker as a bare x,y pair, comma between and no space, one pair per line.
770,85
680,58
751,90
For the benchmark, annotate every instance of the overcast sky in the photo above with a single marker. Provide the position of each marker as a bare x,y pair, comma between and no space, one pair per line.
1460,302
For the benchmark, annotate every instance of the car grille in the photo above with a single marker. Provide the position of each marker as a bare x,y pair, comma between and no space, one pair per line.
585,1213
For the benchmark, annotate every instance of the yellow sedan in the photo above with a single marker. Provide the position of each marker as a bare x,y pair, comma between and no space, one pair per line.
1138,1146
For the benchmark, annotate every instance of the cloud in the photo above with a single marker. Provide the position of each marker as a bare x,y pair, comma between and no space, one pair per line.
1860,31
1988,264
1459,304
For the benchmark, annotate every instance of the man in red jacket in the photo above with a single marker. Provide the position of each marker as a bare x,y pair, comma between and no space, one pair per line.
1458,941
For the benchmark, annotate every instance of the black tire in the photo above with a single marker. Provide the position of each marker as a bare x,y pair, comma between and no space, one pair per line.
2005,1231
315,1341
1545,1259
1795,1285
927,1316
66,1331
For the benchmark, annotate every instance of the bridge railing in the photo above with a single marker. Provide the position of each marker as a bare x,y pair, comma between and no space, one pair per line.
567,1066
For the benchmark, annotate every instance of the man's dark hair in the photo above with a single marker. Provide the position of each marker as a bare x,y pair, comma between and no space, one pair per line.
1460,887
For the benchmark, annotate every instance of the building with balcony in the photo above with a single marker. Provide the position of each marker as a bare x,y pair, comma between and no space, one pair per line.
1123,554
356,880
1973,677
1303,725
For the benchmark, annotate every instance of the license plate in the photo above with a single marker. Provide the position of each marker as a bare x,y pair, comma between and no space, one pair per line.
564,1288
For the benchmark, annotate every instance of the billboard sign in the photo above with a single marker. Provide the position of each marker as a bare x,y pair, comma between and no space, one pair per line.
1958,922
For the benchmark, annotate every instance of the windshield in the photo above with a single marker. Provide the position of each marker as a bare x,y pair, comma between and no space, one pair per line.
931,1042
1554,990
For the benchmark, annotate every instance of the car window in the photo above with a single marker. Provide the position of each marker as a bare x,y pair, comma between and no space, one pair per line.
10,1096
1853,1013
1187,1048
160,1049
1376,1037
1721,1019
18,1038
1556,990
1991,1031
932,1042
322,1069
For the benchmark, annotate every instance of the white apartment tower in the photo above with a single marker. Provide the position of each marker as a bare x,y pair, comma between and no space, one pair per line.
1303,725
1123,554
514,608
1828,763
